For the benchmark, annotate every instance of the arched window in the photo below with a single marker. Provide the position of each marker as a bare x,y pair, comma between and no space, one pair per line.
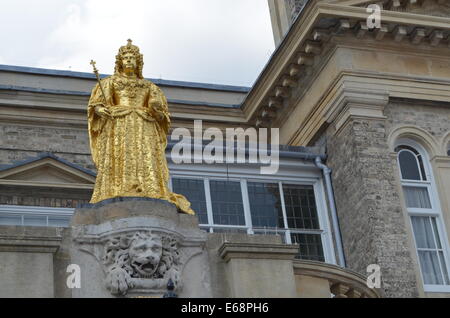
425,215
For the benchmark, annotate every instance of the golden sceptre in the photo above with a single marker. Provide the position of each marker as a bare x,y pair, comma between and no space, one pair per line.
98,79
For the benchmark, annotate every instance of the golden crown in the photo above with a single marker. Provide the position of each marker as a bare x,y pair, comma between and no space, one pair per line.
129,48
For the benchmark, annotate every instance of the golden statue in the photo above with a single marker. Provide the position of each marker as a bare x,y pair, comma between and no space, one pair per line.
128,125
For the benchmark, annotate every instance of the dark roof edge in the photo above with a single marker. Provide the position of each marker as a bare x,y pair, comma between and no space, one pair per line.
78,93
275,53
290,152
42,71
42,90
44,155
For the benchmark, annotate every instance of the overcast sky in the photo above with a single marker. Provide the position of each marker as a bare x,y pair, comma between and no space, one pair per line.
211,41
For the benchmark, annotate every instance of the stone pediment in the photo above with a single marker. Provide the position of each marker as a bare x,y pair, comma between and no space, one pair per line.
47,171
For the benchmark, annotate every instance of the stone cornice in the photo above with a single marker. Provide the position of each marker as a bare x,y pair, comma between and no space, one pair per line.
310,37
441,160
355,104
353,88
267,80
426,7
30,239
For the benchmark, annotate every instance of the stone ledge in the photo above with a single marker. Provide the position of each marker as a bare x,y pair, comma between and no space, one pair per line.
230,251
335,275
30,239
121,199
127,207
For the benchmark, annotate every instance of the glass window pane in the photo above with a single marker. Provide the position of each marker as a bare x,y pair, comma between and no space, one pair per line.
417,197
58,221
436,233
423,232
444,267
226,200
431,271
9,219
194,191
408,166
310,246
265,205
31,220
422,168
301,207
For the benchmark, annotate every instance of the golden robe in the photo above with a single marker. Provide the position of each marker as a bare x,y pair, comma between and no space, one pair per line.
128,146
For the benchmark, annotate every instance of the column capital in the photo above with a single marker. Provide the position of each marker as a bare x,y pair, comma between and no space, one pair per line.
355,103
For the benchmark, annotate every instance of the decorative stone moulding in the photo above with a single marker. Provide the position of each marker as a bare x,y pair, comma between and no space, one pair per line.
440,8
134,248
352,22
141,260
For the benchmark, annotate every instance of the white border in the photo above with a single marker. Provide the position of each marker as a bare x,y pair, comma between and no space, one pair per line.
435,211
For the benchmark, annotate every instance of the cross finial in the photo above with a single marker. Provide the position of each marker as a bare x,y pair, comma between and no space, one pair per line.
93,65
129,42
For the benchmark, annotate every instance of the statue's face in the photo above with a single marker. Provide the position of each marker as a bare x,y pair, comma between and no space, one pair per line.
129,62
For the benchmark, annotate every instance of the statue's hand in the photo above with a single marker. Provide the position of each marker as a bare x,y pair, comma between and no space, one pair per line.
102,111
159,116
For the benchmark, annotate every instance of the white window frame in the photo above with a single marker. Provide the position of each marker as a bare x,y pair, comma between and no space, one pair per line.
289,174
434,212
35,211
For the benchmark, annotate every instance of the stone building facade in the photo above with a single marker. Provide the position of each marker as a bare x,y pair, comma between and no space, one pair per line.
363,101
359,94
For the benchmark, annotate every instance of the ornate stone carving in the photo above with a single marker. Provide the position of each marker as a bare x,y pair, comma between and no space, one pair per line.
430,7
141,260
439,8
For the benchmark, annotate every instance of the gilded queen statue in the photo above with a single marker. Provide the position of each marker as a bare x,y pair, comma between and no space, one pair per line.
128,125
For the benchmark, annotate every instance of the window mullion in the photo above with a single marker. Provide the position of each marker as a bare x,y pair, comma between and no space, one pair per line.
419,167
283,208
437,249
209,205
247,212
444,247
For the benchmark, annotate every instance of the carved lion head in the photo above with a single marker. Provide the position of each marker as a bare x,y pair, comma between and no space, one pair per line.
145,254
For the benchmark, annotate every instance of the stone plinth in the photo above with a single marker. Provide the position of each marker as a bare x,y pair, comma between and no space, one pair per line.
26,261
132,247
252,266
